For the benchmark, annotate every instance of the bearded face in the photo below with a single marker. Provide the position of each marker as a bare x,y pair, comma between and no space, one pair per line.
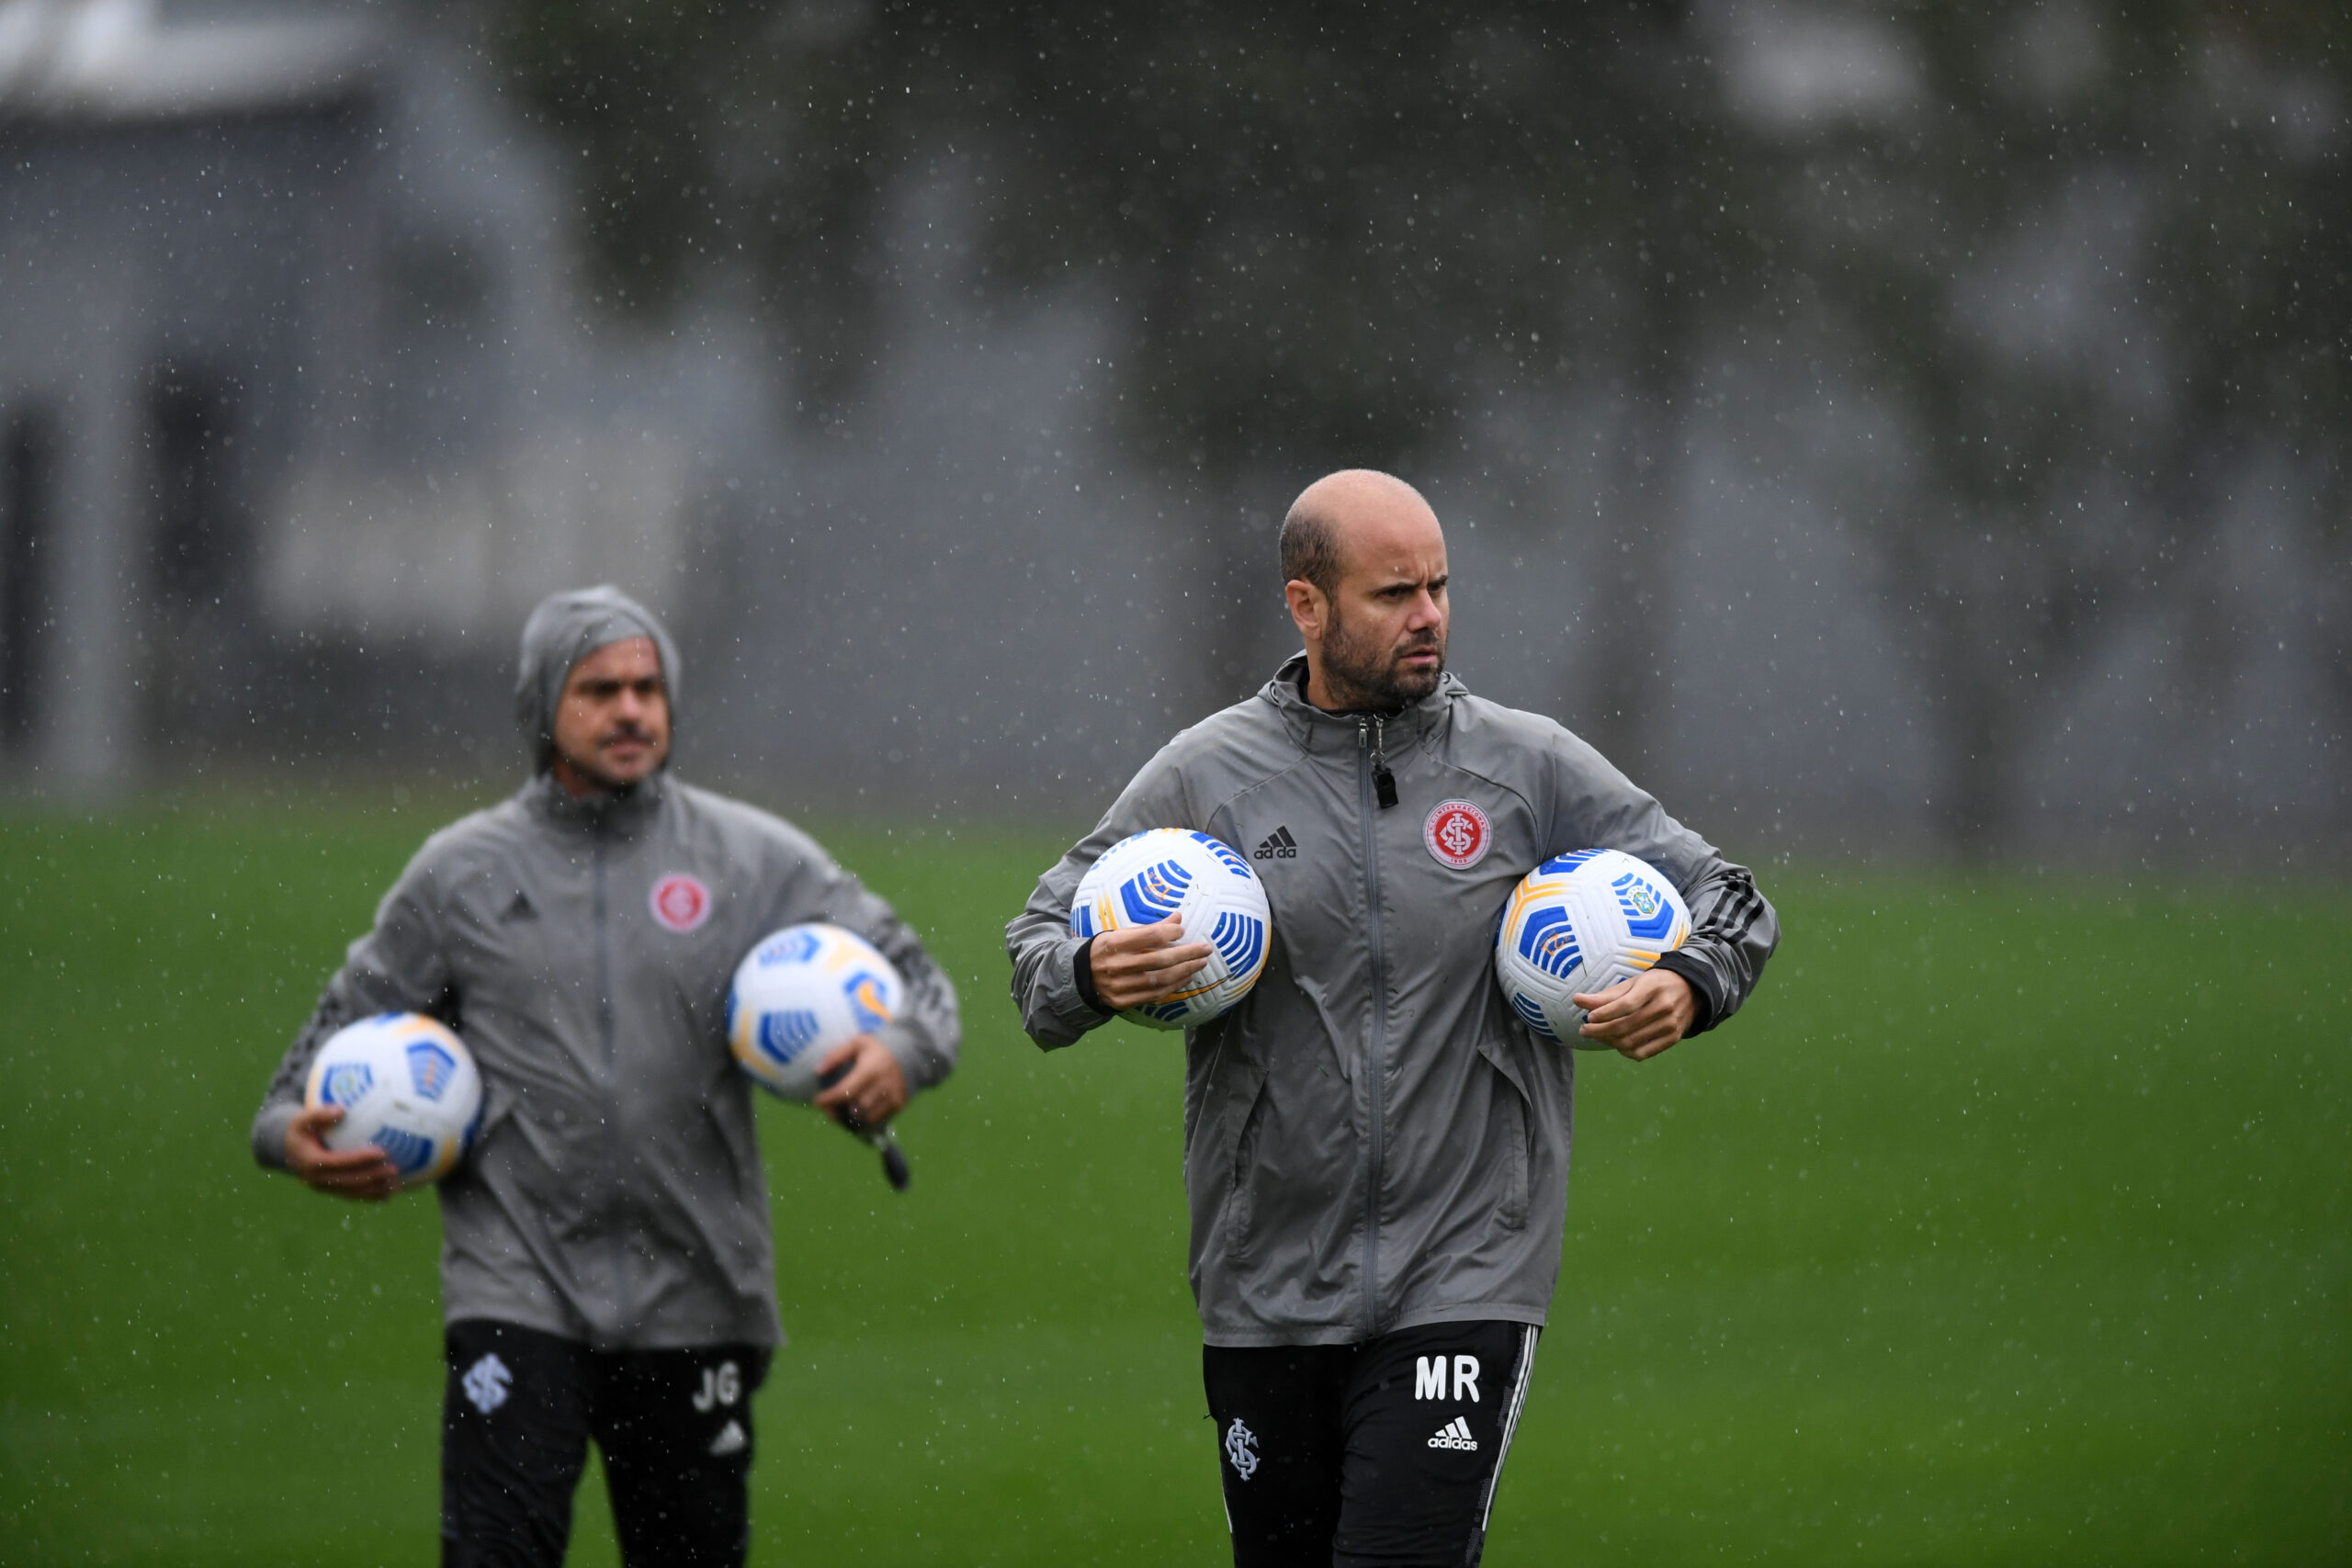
1365,561
612,723
1371,666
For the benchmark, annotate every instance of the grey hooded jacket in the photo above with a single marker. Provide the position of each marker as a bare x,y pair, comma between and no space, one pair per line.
615,1194
1372,1139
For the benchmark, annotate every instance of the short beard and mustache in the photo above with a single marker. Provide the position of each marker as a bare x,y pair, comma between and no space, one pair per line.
1361,674
589,767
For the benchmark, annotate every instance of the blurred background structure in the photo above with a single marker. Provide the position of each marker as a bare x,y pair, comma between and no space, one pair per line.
1892,431
1883,429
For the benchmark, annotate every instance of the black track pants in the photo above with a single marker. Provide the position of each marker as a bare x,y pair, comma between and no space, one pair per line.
1385,1453
674,1427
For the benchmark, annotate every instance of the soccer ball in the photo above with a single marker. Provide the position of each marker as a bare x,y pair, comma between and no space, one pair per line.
1150,875
407,1086
1582,922
802,991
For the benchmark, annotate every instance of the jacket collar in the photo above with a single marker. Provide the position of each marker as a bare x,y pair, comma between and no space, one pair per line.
1316,730
621,814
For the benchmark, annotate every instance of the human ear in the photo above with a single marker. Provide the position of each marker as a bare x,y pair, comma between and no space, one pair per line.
1306,608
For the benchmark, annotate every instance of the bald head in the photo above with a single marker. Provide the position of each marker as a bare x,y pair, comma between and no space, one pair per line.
1339,508
1363,569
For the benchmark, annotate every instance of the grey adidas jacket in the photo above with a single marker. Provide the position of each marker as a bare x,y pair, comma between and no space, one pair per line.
615,1195
1372,1140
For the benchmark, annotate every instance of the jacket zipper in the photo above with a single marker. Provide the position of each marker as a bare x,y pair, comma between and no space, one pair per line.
1384,783
1377,1153
618,1197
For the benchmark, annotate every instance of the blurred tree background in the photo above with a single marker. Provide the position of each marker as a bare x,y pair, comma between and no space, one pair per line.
2089,260
1878,426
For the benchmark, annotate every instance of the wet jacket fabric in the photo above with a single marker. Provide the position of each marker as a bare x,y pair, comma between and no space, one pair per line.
583,949
1372,1141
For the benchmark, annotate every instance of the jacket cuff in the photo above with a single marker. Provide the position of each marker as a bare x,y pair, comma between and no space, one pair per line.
1072,1008
1081,973
916,1059
269,1132
1701,976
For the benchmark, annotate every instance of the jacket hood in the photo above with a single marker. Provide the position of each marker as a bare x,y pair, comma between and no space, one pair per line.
566,628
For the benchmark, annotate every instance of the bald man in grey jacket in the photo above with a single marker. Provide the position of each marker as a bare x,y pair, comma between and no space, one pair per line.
1375,1148
606,1265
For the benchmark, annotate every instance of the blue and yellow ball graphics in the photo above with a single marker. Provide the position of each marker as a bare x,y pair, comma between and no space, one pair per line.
800,993
1148,877
1582,922
407,1086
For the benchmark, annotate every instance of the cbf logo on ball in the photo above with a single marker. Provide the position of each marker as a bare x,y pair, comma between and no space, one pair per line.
1210,889
801,992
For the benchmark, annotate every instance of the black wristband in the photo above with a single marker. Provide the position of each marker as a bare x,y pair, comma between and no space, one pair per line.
1694,974
1082,969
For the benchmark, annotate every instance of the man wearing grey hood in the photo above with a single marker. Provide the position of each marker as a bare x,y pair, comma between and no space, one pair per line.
606,1267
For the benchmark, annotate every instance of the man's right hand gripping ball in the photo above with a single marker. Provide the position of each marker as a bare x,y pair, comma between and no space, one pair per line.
365,1173
1137,965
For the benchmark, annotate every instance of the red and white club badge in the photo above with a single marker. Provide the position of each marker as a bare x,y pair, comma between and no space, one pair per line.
681,902
1457,834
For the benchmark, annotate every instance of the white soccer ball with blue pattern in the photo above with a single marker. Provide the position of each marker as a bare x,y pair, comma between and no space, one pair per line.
1580,923
801,992
407,1086
1150,875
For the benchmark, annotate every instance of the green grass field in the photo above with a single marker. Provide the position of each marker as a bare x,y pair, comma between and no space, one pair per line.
2010,1224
